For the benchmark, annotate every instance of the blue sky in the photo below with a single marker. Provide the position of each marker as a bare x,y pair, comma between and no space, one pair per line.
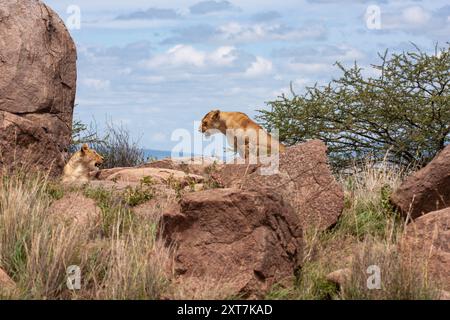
156,66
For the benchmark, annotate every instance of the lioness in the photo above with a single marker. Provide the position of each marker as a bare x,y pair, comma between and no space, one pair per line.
243,134
81,164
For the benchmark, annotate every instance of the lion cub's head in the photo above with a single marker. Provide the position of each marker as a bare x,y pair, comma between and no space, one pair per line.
210,121
90,157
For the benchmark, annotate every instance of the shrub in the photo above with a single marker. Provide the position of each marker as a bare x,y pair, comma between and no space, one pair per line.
404,110
116,145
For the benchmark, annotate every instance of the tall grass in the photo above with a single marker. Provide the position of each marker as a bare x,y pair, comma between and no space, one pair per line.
366,234
367,189
36,249
399,280
121,257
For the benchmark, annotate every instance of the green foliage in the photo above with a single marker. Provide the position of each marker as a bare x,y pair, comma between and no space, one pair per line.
405,110
310,285
117,217
368,218
54,190
137,195
175,184
210,182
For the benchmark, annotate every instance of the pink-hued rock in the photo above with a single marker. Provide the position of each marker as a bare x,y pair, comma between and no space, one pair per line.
427,242
76,208
427,189
305,181
248,239
37,86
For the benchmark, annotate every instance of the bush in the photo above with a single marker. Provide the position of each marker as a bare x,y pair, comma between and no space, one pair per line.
116,146
404,110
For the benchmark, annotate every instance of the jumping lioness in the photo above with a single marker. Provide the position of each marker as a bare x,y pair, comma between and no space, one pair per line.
81,164
246,136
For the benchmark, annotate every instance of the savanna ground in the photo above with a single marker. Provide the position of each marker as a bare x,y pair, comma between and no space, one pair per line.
121,256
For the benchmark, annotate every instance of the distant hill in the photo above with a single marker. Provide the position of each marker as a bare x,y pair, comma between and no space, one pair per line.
158,154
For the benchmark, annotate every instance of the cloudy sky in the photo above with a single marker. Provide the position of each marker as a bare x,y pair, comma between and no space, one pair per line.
155,66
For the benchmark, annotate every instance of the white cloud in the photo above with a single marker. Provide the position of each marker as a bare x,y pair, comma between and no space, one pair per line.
412,17
416,15
154,79
178,56
237,32
96,84
223,56
184,55
260,67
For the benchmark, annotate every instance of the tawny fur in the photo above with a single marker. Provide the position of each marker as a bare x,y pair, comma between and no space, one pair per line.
246,136
81,164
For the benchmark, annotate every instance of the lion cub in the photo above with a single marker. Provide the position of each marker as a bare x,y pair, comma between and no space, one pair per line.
81,164
245,135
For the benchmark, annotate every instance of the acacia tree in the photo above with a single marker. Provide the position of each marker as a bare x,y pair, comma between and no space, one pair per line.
405,110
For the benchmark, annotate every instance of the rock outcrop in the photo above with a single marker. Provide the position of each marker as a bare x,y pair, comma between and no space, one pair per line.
427,242
75,208
195,165
37,86
249,240
427,189
155,174
304,180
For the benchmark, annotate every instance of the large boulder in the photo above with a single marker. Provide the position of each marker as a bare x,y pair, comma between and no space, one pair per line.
426,190
427,243
37,85
249,240
303,179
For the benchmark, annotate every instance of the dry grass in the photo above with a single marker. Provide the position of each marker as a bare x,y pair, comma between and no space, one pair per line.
121,257
191,288
399,280
366,234
127,263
